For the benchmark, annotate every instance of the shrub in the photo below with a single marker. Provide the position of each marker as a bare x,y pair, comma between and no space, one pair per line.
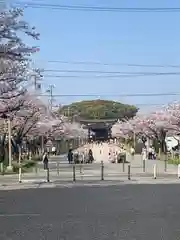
174,161
26,166
37,158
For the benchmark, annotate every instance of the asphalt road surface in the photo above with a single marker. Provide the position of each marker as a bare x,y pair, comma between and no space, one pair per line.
127,212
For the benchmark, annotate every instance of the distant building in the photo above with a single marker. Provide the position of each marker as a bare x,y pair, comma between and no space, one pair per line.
99,129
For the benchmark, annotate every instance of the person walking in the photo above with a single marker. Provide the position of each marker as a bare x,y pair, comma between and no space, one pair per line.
91,158
144,154
54,150
153,153
132,150
150,152
70,156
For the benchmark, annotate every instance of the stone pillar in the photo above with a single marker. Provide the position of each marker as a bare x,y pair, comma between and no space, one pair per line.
89,134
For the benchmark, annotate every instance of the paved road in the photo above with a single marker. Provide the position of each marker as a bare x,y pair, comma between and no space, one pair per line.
142,212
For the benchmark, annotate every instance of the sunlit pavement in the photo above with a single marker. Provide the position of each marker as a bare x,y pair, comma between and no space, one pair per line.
127,212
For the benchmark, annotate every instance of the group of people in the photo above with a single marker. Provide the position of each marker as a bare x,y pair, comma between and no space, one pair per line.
76,157
149,153
84,157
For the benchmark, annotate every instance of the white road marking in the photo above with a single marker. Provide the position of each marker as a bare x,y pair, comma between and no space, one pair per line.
20,215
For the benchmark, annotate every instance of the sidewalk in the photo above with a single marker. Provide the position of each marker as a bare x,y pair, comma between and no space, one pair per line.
137,163
92,172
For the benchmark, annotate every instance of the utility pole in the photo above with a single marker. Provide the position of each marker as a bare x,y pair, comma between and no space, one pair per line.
51,99
9,141
37,85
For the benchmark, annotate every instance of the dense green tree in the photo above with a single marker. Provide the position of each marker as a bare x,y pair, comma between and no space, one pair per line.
98,109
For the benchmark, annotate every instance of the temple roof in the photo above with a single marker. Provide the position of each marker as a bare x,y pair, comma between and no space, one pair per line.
94,121
98,123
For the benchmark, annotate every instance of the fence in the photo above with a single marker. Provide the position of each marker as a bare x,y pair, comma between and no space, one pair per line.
101,172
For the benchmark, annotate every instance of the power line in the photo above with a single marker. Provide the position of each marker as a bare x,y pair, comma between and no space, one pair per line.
117,95
107,76
101,96
101,77
110,72
95,8
114,64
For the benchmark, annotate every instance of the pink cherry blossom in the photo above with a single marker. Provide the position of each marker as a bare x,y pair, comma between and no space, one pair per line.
15,73
29,116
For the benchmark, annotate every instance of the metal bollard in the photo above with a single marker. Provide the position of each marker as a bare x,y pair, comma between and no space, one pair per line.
80,168
178,170
144,165
154,171
102,171
165,165
36,169
123,165
58,168
48,174
74,172
129,172
20,174
2,168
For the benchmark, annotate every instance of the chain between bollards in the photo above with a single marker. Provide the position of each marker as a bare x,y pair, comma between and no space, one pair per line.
129,172
102,171
74,172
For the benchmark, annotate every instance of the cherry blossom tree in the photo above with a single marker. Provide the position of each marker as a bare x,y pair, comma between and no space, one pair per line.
122,129
15,68
154,126
172,112
151,126
15,71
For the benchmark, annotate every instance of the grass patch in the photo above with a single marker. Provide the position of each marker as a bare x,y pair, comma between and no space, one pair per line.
27,166
37,158
174,161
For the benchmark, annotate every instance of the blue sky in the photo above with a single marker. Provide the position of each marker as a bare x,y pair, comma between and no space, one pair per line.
109,37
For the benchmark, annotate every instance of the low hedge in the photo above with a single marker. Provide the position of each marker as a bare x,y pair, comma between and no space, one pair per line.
37,158
26,166
174,161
